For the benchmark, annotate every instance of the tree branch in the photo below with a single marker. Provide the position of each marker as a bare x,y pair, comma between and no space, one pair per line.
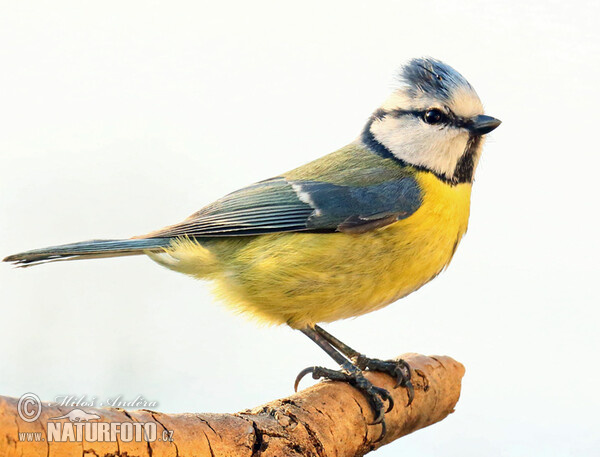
327,419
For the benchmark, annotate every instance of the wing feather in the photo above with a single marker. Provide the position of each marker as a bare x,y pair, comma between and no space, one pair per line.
279,205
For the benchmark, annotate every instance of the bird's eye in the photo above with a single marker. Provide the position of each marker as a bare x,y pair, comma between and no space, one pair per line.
433,116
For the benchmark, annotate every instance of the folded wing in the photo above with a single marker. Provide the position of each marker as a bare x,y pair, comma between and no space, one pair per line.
281,205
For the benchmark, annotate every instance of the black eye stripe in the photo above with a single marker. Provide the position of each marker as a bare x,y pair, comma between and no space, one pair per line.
449,117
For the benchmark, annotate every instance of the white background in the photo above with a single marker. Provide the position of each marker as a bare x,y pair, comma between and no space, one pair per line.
118,118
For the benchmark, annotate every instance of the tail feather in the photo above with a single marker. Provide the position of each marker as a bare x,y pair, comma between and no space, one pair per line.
88,250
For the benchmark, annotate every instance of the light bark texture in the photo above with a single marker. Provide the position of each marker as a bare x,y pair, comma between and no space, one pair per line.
327,419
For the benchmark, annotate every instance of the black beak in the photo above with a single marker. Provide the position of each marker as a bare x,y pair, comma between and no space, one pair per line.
482,124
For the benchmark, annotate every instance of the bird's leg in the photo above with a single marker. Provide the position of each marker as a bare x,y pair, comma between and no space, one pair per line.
398,369
351,374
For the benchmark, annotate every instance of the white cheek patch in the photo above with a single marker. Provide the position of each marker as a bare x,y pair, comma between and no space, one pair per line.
435,147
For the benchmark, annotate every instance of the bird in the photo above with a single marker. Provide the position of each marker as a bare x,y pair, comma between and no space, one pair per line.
341,236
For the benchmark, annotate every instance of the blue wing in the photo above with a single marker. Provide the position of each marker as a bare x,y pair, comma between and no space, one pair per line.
281,205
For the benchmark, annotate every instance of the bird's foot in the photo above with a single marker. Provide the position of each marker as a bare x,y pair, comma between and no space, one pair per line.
397,369
376,396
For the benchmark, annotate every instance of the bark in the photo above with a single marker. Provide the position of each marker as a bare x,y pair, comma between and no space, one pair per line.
327,419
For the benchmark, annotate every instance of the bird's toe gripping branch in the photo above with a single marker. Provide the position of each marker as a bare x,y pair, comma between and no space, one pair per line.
376,396
397,369
352,365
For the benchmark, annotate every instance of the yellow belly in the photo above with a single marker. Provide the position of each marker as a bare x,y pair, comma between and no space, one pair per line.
305,278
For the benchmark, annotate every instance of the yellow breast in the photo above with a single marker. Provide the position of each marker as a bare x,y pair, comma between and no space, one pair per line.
305,278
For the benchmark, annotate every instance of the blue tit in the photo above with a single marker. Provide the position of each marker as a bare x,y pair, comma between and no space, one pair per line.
341,236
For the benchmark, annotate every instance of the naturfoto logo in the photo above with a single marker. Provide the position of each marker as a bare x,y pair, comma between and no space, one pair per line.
79,425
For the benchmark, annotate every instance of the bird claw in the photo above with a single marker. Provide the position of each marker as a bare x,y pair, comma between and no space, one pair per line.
385,395
383,432
376,396
301,375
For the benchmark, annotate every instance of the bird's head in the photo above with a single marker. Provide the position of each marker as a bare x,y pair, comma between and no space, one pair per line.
433,121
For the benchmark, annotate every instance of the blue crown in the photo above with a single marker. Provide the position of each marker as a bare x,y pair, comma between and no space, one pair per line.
432,77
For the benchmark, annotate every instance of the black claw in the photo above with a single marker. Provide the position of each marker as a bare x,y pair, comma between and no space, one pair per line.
411,392
301,375
390,400
383,432
385,396
378,411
